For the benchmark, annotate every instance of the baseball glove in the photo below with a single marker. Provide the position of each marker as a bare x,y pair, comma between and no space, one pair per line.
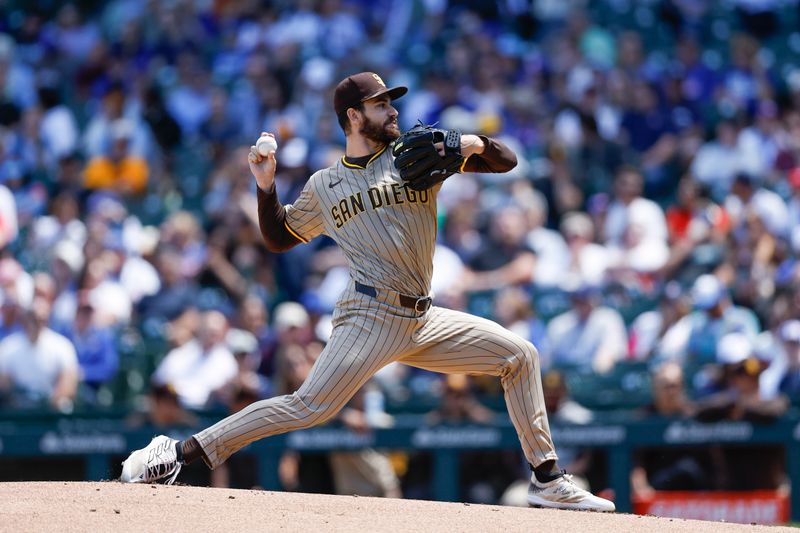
418,161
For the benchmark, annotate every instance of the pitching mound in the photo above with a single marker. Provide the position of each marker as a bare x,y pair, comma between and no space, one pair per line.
112,506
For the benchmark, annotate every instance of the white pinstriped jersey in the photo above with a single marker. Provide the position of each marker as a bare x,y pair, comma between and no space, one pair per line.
386,230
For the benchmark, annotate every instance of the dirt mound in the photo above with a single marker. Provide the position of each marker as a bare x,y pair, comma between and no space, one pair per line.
112,506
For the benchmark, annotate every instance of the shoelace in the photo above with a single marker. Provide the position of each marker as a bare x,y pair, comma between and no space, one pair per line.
162,469
572,486
567,477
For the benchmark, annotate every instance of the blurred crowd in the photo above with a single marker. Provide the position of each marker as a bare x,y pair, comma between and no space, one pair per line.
653,221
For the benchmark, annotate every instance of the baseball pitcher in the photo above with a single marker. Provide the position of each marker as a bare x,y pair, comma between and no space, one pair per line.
378,202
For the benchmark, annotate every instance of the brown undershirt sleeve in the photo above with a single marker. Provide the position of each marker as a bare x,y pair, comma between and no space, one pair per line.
272,222
496,157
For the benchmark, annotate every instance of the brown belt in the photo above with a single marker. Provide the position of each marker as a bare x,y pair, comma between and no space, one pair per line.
420,305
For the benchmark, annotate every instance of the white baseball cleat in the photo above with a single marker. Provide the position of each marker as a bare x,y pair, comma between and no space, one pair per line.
157,460
563,493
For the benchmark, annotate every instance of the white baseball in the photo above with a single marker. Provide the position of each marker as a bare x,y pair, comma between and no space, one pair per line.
266,144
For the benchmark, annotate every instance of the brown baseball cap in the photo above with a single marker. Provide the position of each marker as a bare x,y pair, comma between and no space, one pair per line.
360,87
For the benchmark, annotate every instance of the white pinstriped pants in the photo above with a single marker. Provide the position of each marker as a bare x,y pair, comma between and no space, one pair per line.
369,333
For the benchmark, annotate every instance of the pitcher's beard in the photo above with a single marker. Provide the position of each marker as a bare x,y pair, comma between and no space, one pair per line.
382,134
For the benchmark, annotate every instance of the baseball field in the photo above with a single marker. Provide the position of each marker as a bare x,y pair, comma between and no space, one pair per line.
112,506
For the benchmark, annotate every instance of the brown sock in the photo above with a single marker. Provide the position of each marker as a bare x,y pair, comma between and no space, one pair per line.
189,450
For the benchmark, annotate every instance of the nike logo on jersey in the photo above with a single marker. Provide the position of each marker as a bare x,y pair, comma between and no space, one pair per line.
335,183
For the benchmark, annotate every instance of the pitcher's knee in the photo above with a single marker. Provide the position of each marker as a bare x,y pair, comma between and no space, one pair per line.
533,354
312,412
527,356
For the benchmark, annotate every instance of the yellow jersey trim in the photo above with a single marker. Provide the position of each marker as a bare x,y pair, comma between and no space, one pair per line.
379,152
463,164
371,159
294,232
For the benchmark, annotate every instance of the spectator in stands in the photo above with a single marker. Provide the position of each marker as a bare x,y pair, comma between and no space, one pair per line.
71,35
589,336
560,405
697,230
483,475
787,273
459,231
448,268
10,319
718,161
675,468
228,187
183,233
753,467
739,397
651,133
58,129
18,84
62,223
648,328
177,293
132,262
751,256
631,56
200,366
244,347
231,268
459,404
562,408
37,365
66,265
698,80
670,399
110,300
694,338
740,80
16,289
220,127
631,212
8,216
789,336
95,348
105,127
504,259
253,317
638,259
759,18
514,310
183,328
163,127
189,102
164,410
552,253
292,327
748,199
299,471
794,201
759,143
242,471
588,261
366,472
118,168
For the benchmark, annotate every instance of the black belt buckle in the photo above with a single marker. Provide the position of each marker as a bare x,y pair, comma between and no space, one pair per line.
422,304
